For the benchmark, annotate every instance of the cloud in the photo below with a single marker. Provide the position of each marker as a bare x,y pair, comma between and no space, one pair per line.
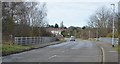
74,0
72,13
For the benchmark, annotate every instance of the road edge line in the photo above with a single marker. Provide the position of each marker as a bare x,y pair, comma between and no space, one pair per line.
103,54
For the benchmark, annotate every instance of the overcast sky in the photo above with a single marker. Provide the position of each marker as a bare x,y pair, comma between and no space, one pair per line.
74,13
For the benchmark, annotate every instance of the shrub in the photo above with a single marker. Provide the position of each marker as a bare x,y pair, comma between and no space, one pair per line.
115,35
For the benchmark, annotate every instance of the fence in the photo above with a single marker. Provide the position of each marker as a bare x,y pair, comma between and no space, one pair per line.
33,40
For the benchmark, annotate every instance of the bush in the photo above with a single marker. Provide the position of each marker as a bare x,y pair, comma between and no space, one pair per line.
115,35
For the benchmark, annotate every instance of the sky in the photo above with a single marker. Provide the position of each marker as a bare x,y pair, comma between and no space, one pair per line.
74,13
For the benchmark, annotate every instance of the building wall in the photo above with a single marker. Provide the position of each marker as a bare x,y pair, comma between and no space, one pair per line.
56,32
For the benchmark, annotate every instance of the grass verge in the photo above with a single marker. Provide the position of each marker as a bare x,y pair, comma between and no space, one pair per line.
117,48
8,49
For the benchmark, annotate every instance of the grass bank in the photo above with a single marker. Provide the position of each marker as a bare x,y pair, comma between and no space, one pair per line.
8,49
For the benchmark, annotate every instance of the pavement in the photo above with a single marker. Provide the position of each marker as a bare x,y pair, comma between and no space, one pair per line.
69,51
110,54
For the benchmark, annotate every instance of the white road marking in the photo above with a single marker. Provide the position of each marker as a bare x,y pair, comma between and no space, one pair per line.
63,51
103,54
112,51
80,56
52,56
0,60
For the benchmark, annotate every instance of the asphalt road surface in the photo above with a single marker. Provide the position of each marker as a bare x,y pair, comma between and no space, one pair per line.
70,51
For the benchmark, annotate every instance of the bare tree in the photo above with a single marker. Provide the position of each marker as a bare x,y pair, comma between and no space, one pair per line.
101,19
22,18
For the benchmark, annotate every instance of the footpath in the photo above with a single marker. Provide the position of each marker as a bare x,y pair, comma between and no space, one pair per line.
110,55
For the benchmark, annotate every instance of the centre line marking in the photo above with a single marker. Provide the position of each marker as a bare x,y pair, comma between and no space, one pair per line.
52,56
63,51
112,51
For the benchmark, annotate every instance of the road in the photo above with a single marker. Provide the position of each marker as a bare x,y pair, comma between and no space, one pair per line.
70,51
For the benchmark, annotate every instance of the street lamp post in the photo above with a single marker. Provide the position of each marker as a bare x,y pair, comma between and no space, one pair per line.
97,32
89,34
113,9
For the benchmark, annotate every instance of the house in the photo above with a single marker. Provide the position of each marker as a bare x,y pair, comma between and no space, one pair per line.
55,31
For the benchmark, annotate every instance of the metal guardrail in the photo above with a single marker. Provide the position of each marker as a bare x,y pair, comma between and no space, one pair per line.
33,40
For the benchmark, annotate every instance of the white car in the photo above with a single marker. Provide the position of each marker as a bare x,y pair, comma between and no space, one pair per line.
72,38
